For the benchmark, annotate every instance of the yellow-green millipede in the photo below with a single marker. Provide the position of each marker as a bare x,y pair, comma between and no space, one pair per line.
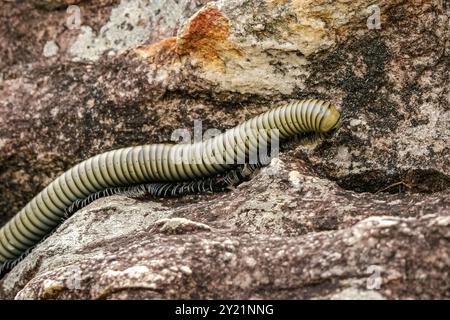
164,169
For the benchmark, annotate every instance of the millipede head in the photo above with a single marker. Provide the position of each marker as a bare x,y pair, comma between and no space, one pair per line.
331,119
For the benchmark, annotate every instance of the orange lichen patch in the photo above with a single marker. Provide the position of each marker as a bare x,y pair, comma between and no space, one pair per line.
159,53
206,37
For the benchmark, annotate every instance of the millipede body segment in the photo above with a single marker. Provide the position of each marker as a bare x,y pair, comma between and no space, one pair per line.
160,163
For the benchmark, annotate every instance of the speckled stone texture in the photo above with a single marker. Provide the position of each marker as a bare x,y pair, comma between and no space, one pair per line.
363,214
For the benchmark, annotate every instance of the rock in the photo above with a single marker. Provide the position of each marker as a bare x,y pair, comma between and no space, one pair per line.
71,98
267,233
363,214
132,23
85,30
55,4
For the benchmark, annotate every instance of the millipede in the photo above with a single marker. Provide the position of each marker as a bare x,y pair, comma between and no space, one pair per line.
162,170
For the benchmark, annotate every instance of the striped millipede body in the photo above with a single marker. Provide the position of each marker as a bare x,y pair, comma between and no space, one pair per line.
161,170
